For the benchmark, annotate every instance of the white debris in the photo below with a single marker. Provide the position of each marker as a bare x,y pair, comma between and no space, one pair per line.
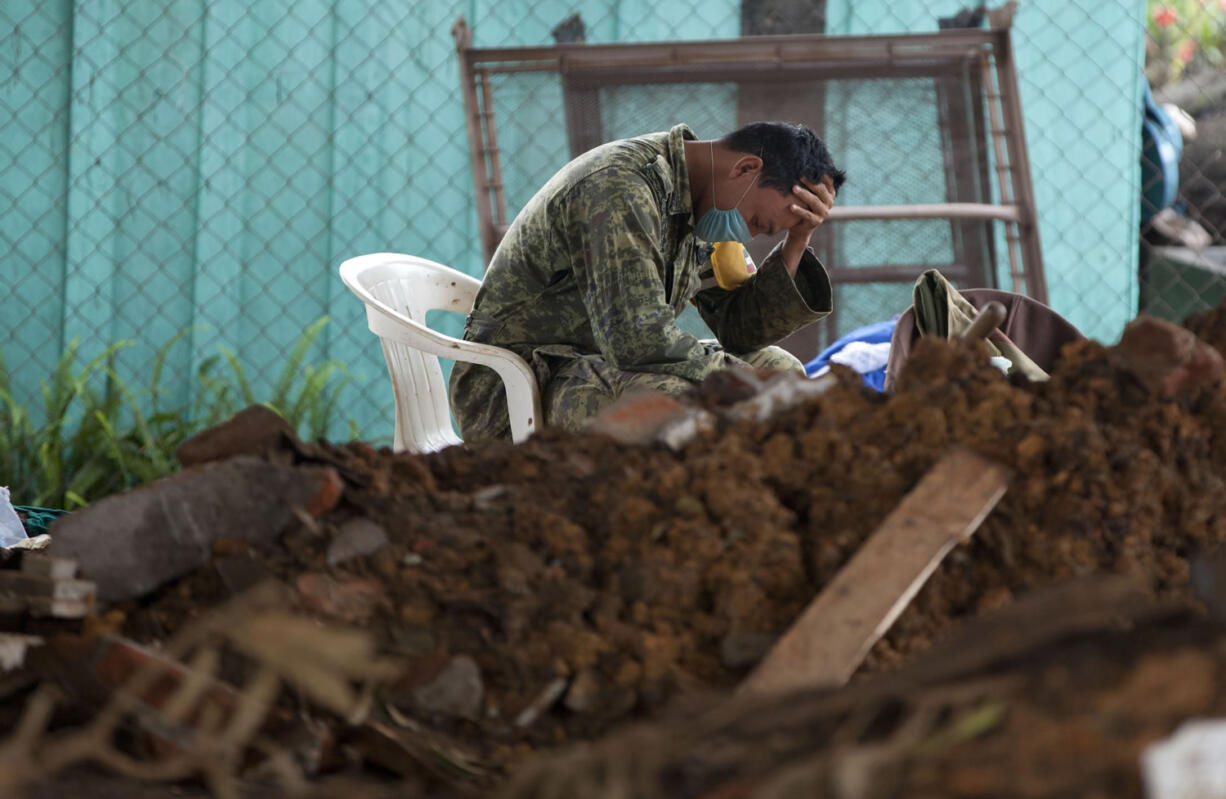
12,531
1190,764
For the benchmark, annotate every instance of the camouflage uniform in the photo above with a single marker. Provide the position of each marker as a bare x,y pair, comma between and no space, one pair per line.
588,282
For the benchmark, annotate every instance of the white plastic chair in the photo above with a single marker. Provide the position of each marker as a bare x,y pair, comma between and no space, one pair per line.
398,290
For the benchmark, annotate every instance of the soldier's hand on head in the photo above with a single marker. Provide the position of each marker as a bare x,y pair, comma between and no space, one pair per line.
812,206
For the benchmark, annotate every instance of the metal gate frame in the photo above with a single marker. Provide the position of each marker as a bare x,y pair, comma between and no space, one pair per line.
979,62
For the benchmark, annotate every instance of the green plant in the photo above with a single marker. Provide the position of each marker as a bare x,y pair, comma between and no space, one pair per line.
78,450
99,436
1184,32
311,408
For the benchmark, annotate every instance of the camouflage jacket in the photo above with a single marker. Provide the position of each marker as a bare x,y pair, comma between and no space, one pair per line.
602,260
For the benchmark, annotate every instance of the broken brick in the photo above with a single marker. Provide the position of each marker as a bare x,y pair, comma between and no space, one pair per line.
350,601
643,417
1170,360
257,430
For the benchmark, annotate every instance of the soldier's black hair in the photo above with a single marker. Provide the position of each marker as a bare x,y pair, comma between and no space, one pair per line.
788,151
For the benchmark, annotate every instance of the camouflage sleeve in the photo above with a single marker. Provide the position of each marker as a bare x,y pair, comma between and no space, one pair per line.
612,225
770,305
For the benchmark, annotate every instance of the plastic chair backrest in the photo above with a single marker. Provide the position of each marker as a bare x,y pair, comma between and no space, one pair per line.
397,291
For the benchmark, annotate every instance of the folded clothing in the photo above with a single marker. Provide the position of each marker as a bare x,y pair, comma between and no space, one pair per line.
1031,337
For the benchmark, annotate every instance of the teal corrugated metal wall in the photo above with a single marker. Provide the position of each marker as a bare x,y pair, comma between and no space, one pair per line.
175,165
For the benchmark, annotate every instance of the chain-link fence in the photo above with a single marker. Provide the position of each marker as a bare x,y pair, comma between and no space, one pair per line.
1183,221
188,174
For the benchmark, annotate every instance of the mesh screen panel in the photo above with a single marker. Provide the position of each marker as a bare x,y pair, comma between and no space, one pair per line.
911,132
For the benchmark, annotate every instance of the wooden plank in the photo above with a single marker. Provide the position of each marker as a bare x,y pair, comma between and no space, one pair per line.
13,649
60,608
42,565
832,636
12,604
30,586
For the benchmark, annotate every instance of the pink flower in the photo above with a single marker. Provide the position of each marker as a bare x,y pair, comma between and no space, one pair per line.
1221,5
1166,16
1186,51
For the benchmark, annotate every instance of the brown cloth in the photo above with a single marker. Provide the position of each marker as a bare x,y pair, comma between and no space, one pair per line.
1029,327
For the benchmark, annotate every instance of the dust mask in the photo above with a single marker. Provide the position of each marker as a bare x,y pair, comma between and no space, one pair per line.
726,224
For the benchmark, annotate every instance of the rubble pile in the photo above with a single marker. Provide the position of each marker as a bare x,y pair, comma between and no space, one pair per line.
527,596
1088,688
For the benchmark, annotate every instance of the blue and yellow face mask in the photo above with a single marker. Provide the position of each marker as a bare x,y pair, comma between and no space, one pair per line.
728,231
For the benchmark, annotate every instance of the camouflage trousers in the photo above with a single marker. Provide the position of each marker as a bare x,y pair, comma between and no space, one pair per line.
587,384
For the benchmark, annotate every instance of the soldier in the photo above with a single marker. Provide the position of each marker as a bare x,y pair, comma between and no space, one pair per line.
591,276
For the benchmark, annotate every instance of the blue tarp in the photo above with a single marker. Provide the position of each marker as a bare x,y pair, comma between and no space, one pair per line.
869,361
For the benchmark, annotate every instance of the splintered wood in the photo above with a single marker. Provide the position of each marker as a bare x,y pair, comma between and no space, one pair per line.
835,632
46,586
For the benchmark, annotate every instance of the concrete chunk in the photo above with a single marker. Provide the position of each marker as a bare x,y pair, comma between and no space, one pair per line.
131,543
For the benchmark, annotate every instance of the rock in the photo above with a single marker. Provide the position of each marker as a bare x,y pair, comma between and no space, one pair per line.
586,692
130,543
355,539
257,430
487,498
457,691
544,700
1169,359
350,601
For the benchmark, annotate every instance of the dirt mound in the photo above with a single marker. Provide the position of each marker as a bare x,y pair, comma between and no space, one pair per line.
1058,696
553,590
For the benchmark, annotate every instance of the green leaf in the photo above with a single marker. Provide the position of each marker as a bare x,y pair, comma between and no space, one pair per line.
243,386
293,364
100,435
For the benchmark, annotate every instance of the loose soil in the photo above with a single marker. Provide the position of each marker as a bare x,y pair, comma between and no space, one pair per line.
1047,713
594,583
